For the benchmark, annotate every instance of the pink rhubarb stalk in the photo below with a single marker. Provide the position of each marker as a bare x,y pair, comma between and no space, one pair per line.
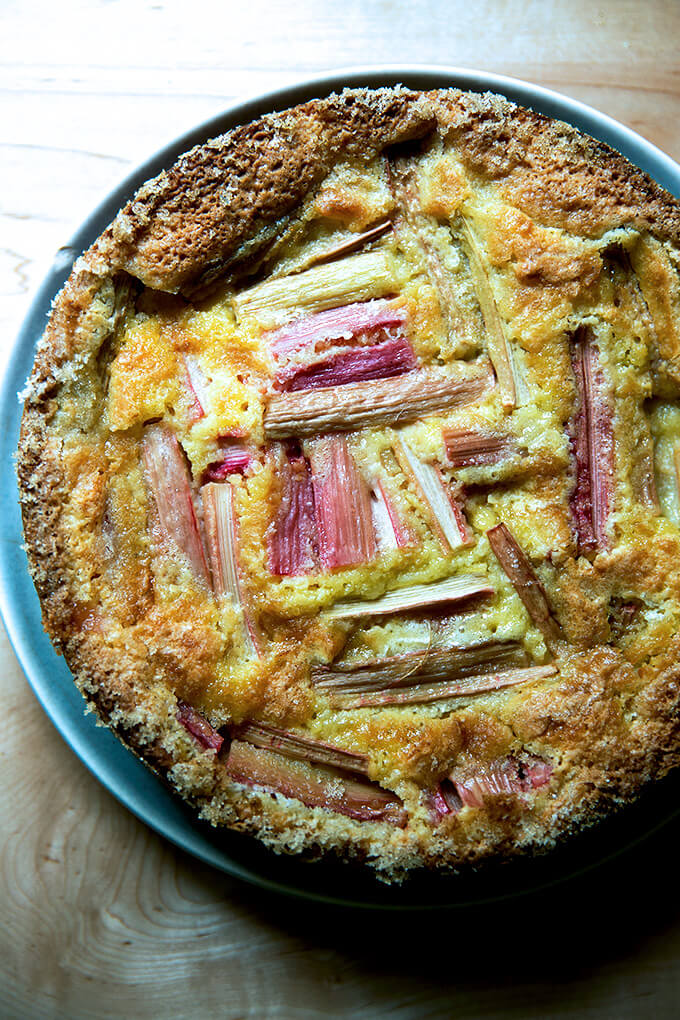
384,360
511,775
443,800
197,386
592,441
292,539
342,505
344,324
514,562
315,786
235,460
390,531
220,526
199,727
168,478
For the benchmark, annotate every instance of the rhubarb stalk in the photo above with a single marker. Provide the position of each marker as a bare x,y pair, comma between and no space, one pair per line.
315,786
405,192
378,402
168,478
390,531
592,441
199,727
292,538
419,678
423,694
384,360
295,745
352,244
443,800
221,529
415,597
197,386
644,480
235,460
220,526
346,324
443,512
419,667
357,278
511,775
470,448
514,562
342,505
497,341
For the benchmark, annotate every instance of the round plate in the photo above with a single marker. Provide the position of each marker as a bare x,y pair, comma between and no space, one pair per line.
117,768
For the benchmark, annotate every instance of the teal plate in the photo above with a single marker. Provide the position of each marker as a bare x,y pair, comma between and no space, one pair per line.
118,769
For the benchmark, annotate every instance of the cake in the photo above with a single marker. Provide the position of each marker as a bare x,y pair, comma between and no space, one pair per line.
350,478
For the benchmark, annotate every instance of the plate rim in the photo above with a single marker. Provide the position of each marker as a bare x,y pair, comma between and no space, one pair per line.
22,619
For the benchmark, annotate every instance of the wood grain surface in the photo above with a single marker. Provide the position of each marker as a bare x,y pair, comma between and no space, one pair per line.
100,918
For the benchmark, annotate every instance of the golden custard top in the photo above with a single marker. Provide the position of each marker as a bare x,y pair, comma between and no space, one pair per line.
385,491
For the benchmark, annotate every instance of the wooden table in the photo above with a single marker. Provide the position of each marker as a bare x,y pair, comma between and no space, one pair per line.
100,918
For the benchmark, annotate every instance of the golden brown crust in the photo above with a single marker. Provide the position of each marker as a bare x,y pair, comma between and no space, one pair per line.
187,229
184,229
552,171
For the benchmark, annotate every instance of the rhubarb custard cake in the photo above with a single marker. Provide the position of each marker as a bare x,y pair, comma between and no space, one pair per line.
349,470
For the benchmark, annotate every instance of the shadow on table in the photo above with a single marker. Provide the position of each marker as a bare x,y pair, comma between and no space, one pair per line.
589,917
569,928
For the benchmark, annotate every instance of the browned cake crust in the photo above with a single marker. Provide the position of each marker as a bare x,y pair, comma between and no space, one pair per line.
610,720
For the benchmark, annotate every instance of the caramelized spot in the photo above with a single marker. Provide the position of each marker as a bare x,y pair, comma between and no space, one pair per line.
143,377
442,188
